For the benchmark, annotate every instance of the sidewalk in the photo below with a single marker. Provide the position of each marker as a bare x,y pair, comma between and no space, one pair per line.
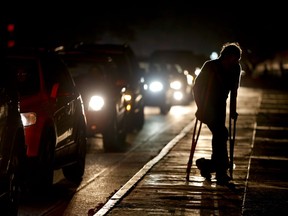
260,175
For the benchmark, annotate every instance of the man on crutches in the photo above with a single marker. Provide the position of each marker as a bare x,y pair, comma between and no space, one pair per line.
218,78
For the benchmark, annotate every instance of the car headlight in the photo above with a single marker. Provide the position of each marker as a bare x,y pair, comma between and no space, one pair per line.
127,97
96,103
176,85
178,96
190,79
28,119
128,101
156,86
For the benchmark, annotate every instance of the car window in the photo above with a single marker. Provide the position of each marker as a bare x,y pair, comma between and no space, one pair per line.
123,65
81,68
55,71
27,73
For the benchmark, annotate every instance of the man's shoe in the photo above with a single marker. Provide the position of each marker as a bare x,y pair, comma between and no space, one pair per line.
223,179
205,167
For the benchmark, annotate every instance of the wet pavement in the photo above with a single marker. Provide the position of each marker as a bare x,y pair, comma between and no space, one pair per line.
260,176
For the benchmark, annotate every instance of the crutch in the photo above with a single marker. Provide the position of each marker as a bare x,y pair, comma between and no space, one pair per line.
232,133
195,137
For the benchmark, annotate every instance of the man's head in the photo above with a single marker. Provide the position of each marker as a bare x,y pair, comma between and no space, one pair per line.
230,54
231,49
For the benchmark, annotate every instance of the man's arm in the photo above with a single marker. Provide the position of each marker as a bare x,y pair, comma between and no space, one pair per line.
234,94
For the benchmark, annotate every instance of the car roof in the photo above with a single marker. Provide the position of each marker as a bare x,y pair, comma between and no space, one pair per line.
29,52
107,48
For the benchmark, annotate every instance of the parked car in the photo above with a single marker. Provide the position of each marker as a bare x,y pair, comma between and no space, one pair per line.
131,77
107,102
166,85
12,144
52,114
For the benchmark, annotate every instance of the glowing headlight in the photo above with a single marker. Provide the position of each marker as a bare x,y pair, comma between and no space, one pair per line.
176,85
28,119
96,103
156,86
127,97
178,96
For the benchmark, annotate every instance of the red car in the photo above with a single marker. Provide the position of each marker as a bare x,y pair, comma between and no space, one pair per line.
52,114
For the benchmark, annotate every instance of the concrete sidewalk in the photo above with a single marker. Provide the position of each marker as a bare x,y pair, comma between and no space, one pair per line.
260,176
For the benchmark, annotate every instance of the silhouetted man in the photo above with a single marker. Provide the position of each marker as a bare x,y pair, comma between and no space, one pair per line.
217,79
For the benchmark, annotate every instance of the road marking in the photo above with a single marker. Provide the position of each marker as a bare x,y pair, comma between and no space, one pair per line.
269,158
272,128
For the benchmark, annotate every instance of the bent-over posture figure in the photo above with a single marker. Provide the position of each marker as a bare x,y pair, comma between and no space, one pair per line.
217,79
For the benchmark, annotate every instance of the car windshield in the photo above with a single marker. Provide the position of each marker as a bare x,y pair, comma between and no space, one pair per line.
27,74
91,68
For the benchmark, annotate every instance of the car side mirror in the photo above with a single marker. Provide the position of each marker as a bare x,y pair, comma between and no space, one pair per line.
59,92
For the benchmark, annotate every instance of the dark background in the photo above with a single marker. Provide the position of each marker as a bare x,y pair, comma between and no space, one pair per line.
148,26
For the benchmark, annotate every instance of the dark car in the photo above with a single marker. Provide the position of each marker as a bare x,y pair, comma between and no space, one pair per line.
52,114
107,102
12,143
131,77
166,85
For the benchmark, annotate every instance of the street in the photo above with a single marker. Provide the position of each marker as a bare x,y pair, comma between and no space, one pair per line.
259,175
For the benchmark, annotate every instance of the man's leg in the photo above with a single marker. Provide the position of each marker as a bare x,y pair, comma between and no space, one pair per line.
219,151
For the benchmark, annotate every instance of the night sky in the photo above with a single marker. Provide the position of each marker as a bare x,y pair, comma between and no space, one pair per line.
150,26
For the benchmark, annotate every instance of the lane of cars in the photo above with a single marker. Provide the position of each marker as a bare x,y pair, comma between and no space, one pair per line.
64,97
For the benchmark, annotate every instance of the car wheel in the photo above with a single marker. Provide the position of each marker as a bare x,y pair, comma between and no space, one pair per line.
15,177
136,120
42,176
139,119
10,202
75,171
111,136
122,134
164,109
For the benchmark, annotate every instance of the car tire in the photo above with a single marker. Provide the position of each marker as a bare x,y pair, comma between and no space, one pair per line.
136,120
10,203
111,135
41,178
75,171
139,119
164,109
122,132
15,177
